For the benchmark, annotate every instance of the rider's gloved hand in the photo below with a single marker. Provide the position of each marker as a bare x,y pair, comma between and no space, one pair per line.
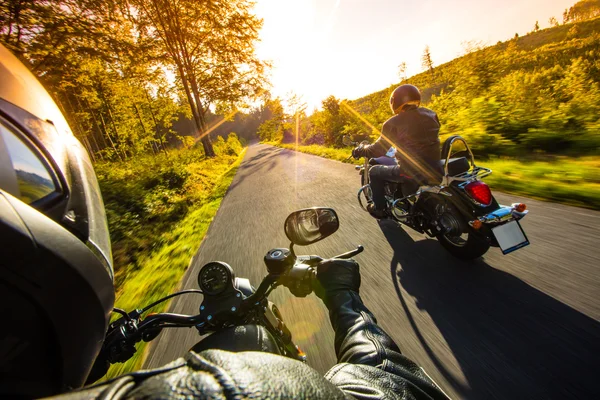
357,152
336,276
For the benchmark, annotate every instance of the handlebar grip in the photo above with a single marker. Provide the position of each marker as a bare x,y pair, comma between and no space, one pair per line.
351,253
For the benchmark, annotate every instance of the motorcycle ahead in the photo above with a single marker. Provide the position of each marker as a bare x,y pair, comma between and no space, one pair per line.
229,302
460,212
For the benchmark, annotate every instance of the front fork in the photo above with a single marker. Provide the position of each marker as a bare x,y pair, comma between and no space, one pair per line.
365,190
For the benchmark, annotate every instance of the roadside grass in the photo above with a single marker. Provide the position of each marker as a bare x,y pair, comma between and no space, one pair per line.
573,181
321,151
562,180
155,265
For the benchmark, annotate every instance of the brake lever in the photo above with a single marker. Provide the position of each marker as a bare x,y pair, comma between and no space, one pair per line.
351,253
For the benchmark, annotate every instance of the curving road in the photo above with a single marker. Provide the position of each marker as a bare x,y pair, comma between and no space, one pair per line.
525,325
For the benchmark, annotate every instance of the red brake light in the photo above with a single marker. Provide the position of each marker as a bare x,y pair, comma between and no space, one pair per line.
480,192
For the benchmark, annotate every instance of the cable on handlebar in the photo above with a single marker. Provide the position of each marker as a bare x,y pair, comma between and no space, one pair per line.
171,296
123,313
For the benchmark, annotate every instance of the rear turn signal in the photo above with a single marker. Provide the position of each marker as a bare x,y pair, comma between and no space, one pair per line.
480,192
476,224
520,207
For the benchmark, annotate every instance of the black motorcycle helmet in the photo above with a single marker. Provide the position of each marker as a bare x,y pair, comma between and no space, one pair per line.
56,275
403,96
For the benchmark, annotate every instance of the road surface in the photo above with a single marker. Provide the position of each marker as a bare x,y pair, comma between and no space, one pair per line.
524,325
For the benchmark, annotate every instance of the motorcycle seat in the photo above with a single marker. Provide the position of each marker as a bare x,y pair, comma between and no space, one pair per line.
456,166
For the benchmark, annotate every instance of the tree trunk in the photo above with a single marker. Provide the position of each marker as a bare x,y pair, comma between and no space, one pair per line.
156,132
109,138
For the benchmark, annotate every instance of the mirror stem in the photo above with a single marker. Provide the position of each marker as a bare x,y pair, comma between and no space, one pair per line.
292,250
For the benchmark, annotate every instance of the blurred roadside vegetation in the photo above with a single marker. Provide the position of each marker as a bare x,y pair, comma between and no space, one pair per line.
159,209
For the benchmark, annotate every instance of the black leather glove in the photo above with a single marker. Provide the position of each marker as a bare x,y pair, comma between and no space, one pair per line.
336,276
357,152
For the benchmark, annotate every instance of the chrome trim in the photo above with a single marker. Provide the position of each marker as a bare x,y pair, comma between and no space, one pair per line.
473,174
458,138
393,210
361,190
503,214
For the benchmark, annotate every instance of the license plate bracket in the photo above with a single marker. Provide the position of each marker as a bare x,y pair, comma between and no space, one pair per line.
510,237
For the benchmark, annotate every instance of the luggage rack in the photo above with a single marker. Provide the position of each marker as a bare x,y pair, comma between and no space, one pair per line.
473,173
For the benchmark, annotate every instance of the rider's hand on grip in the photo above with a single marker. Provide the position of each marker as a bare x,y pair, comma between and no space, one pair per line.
335,276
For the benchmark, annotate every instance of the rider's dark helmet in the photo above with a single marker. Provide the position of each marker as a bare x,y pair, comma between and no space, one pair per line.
403,96
56,275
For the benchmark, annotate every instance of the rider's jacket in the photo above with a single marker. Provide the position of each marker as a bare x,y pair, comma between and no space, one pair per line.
370,366
415,135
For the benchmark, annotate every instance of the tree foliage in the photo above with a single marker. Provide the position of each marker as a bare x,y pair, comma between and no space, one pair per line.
582,10
108,65
210,44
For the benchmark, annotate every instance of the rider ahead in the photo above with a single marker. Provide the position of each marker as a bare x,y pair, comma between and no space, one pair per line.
414,132
56,288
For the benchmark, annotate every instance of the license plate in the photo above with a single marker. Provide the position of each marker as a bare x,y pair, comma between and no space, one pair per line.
510,237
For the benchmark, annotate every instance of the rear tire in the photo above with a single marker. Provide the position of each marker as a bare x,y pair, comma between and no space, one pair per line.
473,247
459,238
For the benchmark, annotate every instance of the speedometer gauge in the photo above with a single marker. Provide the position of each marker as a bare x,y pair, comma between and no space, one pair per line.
215,277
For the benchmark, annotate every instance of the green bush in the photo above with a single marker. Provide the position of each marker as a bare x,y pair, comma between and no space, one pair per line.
147,196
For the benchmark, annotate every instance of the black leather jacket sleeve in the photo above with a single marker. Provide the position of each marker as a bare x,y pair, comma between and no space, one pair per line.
381,145
370,365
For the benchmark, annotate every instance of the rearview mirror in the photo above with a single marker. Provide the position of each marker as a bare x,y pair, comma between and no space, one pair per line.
346,140
310,225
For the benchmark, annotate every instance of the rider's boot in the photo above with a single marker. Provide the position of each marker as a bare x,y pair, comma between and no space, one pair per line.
379,214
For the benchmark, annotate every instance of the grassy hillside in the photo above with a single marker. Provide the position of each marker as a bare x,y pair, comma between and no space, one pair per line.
547,47
537,93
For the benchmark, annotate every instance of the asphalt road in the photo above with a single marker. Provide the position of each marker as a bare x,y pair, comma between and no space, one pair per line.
524,325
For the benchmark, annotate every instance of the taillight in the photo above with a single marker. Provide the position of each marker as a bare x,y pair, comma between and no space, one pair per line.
480,192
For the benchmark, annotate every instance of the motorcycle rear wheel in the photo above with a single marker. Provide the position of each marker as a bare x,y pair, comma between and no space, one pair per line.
460,240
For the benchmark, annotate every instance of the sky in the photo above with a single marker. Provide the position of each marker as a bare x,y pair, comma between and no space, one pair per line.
350,48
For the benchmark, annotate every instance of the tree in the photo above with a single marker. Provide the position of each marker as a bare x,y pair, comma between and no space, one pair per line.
402,71
553,22
272,128
330,121
211,46
573,32
426,61
582,10
536,27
